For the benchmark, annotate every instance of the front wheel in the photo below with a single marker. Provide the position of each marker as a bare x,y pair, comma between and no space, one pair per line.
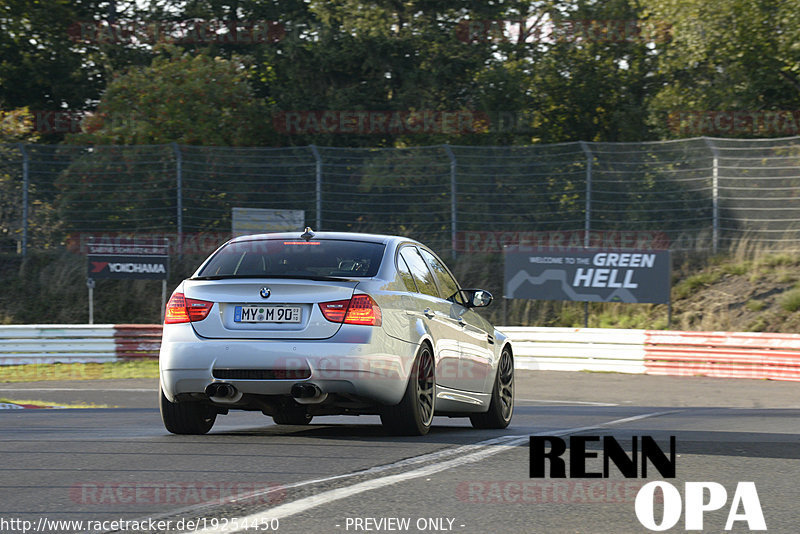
414,415
186,417
501,407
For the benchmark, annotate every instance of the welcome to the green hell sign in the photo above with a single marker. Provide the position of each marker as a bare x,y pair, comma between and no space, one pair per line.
587,275
489,242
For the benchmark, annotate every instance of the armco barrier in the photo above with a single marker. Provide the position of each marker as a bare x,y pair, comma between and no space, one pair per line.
24,344
723,354
577,349
655,352
137,341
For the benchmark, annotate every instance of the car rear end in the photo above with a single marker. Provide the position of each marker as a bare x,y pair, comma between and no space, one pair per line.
277,318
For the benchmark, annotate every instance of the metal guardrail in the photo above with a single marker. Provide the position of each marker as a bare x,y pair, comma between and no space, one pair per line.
655,352
26,344
577,349
658,352
723,354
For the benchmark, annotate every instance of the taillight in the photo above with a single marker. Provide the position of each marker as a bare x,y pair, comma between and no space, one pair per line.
361,309
334,311
183,310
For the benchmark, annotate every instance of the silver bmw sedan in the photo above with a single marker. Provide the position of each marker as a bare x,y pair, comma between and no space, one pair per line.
303,325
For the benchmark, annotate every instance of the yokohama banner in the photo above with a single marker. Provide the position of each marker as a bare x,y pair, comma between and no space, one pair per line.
129,267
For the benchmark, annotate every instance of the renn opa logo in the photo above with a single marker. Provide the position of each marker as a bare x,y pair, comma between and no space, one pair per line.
700,497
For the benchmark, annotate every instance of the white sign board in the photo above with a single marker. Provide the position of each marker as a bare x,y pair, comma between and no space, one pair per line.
248,221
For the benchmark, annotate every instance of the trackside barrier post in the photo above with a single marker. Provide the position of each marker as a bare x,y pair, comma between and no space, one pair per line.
179,194
318,186
453,199
714,193
25,188
587,226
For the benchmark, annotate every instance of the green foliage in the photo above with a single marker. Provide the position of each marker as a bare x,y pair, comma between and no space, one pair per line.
759,325
691,284
44,64
775,260
16,126
726,55
755,305
181,98
737,268
790,301
595,84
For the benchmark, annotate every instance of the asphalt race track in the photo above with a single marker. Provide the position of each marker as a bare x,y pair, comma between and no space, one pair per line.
345,475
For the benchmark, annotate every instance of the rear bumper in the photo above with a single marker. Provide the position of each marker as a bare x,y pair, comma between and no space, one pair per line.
357,360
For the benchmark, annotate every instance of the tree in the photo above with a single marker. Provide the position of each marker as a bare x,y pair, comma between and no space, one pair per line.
732,55
16,126
45,63
180,97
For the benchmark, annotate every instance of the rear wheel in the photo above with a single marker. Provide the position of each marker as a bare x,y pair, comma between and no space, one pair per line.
501,407
186,417
414,414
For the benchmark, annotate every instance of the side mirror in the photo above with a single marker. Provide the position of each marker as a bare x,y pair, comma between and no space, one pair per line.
477,298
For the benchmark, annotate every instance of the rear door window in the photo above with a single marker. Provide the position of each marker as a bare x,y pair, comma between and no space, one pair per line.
420,272
447,284
405,275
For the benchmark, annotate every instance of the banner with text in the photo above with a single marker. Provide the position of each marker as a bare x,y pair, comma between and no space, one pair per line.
588,275
127,267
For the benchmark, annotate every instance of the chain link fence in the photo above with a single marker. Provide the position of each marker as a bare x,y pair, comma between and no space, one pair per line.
701,193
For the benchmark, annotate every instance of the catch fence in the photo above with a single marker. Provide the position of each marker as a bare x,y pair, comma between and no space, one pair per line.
701,193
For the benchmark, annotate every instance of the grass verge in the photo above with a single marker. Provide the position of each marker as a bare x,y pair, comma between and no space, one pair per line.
47,404
79,371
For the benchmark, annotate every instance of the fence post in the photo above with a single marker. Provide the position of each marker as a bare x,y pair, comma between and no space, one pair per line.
25,188
588,207
318,189
714,194
453,199
179,194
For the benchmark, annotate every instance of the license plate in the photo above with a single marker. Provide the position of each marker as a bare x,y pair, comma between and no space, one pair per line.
267,314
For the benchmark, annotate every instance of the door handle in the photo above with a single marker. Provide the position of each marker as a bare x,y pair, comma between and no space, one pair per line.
461,321
427,312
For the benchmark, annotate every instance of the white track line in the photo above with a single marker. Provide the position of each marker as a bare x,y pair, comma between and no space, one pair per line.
427,457
588,403
326,497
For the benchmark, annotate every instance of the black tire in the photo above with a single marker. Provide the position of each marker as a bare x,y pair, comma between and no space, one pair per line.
414,414
292,418
501,407
186,417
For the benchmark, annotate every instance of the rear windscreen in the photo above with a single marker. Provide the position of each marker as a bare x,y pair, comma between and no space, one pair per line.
296,258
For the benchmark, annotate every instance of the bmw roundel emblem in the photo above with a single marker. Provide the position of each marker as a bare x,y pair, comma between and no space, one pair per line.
265,292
